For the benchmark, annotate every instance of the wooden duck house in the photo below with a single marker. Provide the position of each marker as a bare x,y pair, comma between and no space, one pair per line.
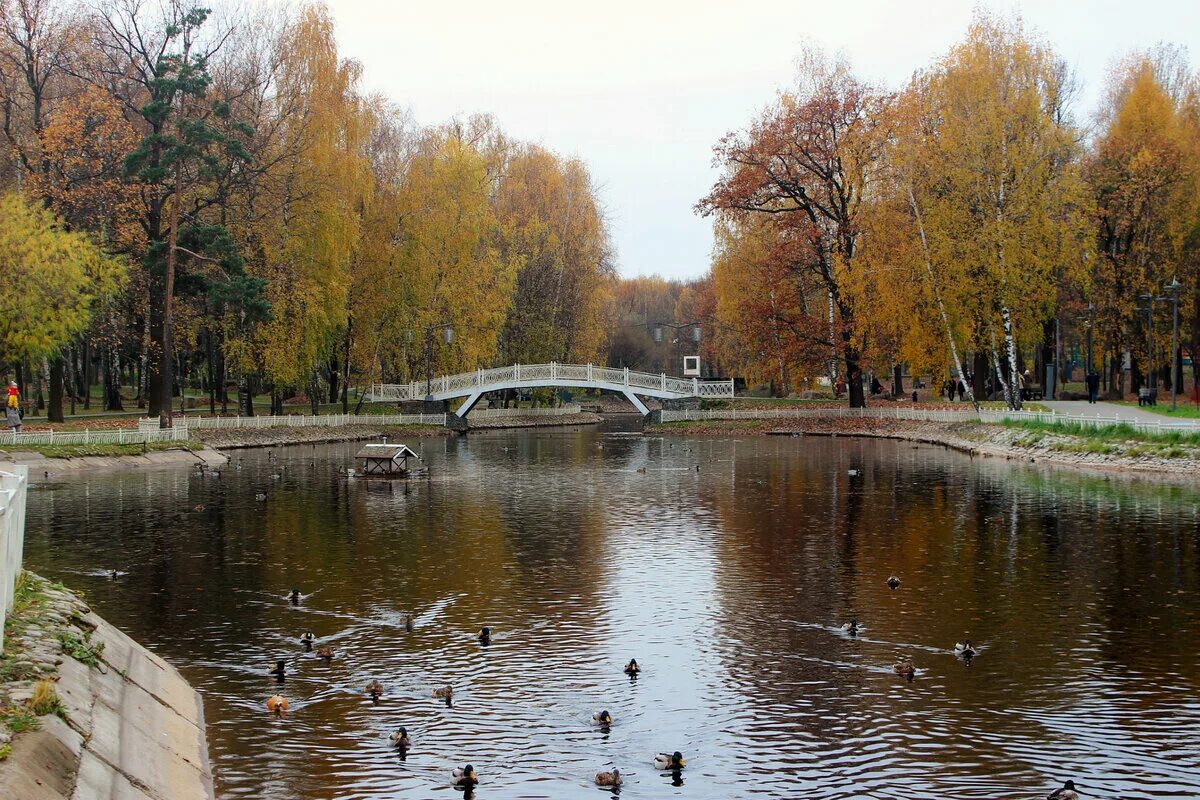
385,460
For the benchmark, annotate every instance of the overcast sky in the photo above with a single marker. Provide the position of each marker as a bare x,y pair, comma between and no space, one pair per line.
642,90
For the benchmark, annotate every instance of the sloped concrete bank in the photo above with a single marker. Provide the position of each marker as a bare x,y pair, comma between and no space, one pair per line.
42,468
89,713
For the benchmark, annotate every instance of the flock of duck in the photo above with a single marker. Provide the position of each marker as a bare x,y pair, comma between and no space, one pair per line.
967,652
463,777
466,778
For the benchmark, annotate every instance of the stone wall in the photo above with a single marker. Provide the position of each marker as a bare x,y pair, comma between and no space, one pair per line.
128,728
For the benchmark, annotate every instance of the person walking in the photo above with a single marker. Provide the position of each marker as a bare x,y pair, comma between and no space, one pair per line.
12,408
1093,386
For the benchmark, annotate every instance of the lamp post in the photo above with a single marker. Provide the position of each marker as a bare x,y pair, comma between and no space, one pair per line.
1173,287
448,337
677,327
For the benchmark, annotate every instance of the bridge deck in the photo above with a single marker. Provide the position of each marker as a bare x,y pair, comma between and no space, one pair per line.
585,376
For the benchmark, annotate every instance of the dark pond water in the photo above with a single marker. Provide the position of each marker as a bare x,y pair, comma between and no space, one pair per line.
728,584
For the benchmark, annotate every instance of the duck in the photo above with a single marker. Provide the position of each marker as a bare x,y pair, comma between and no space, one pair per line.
444,692
602,717
1067,792
277,703
306,639
464,776
279,670
197,508
294,596
672,761
326,653
375,689
641,471
260,496
408,623
851,627
632,669
965,649
893,583
485,635
612,778
905,667
401,739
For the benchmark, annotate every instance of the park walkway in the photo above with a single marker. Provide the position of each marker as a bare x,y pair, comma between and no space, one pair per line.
1125,412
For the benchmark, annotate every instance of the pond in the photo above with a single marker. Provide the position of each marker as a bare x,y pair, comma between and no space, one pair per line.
725,565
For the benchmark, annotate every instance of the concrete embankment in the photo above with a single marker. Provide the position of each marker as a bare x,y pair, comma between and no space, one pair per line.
1164,460
535,421
89,713
237,438
42,468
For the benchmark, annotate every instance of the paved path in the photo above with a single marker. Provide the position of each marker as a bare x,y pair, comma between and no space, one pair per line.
1131,413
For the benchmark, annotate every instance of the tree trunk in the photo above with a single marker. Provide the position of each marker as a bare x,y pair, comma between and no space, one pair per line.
346,367
980,368
1010,346
111,378
167,376
334,375
54,412
897,380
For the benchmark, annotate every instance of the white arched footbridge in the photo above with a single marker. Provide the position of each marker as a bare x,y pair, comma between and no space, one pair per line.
473,385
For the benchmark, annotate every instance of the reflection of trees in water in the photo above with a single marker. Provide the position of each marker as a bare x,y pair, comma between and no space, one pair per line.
1028,564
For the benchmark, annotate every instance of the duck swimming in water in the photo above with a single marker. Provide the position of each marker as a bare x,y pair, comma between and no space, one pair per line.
602,717
408,625
464,776
965,649
277,703
326,653
905,667
1067,792
672,761
851,627
609,778
444,692
279,670
400,739
893,583
307,639
485,636
375,689
632,669
294,596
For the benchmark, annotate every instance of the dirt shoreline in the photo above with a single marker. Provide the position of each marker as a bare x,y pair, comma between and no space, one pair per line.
974,439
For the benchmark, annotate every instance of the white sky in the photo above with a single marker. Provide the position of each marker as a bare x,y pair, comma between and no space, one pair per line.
642,90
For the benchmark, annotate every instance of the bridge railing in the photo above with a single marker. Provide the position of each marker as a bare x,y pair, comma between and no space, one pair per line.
468,382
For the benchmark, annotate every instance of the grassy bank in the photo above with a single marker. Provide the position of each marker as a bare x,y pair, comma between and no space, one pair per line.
1108,434
106,450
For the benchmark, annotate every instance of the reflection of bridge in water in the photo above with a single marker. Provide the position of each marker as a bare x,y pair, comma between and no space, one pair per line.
473,385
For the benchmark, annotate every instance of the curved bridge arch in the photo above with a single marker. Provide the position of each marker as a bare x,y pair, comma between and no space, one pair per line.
473,385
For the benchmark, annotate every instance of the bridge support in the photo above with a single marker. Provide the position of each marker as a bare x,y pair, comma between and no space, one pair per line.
468,404
638,404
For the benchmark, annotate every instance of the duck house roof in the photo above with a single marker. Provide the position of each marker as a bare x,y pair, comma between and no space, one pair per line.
389,452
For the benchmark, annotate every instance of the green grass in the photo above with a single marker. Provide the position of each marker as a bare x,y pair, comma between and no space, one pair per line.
1111,433
81,450
81,648
19,719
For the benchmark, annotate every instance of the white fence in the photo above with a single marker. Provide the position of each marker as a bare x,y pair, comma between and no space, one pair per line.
935,415
552,374
502,413
294,421
14,482
920,414
114,436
